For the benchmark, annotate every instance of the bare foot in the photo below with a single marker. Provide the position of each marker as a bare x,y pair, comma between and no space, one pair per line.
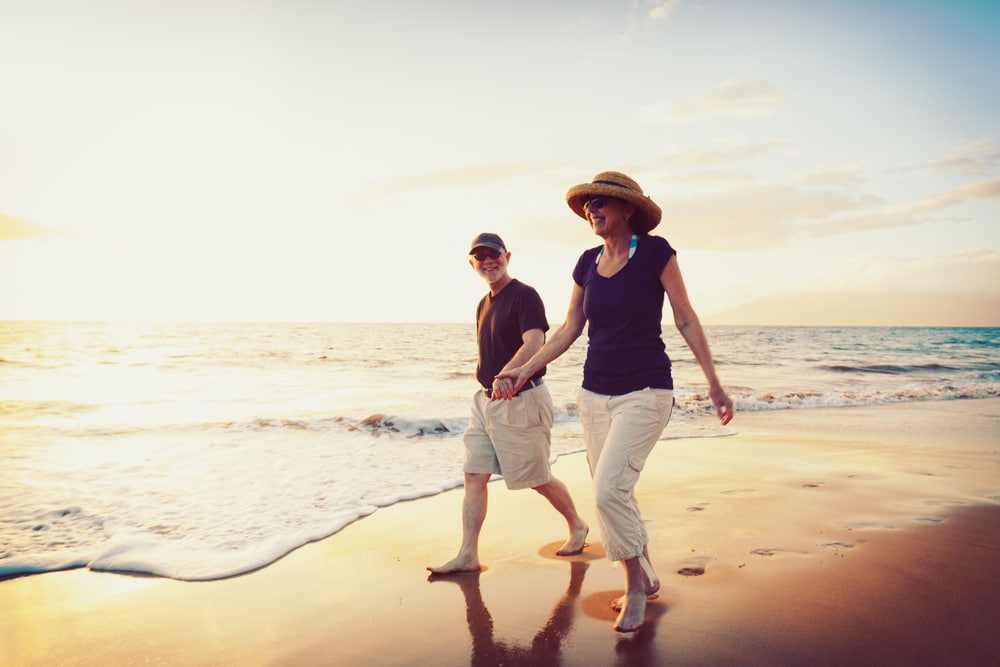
649,574
576,542
651,580
456,565
633,612
618,603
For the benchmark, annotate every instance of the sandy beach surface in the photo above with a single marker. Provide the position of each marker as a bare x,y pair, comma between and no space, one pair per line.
852,536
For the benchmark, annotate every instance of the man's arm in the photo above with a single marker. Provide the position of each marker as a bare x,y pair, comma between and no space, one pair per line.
532,342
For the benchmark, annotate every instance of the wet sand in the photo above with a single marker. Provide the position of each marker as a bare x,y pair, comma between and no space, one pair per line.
861,536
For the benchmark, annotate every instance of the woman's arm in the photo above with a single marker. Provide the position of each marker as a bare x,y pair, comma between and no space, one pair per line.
511,380
690,327
532,341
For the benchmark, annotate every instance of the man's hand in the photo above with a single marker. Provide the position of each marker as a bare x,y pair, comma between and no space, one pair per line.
508,383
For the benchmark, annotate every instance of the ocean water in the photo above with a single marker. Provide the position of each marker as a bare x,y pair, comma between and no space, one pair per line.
200,451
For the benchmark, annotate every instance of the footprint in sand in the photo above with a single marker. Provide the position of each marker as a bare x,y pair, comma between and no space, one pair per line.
812,485
737,492
695,565
939,503
864,525
591,551
776,552
837,546
700,507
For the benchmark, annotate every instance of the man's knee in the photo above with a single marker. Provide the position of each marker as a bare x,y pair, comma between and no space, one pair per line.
544,489
476,480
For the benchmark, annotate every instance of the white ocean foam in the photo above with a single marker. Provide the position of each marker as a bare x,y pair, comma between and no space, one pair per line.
205,451
215,507
188,560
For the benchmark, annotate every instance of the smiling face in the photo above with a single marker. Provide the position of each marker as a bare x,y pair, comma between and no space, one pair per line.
491,264
608,216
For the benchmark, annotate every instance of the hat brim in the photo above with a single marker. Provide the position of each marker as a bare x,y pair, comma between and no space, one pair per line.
487,245
648,213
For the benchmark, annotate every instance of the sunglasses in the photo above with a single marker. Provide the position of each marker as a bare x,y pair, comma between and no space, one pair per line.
482,255
595,203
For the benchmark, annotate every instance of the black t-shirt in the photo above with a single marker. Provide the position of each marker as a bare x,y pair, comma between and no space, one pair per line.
501,321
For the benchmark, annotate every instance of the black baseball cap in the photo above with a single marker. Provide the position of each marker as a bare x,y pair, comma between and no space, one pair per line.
488,240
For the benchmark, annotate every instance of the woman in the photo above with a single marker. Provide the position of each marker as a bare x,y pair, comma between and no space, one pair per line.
627,393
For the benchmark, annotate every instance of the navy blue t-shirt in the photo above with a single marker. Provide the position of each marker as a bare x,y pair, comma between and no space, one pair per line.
625,351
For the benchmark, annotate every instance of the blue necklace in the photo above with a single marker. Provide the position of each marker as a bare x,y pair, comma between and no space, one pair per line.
631,249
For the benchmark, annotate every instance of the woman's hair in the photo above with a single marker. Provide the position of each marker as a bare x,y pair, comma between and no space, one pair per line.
631,225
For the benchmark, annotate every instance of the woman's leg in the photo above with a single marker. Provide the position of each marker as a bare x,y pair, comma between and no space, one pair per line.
634,424
636,421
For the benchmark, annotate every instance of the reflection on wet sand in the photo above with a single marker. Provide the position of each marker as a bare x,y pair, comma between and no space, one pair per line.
546,646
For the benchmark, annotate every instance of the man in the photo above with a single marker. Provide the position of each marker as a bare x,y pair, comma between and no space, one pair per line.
509,437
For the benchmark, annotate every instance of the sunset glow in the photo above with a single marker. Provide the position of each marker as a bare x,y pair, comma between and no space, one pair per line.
817,163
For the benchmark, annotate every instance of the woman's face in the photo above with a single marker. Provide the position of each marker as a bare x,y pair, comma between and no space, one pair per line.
608,216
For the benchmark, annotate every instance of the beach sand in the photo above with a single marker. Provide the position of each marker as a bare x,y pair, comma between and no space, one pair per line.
854,536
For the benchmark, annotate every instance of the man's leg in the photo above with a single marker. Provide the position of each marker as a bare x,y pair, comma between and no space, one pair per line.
473,516
558,495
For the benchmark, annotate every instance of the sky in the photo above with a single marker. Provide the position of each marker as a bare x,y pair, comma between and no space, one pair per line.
826,162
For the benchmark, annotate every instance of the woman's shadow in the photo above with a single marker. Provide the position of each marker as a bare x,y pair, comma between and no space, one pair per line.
546,646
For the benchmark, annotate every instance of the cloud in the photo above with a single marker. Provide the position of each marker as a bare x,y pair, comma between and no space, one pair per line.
712,178
753,217
475,175
714,168
735,211
726,155
767,215
974,270
961,164
937,309
844,176
960,195
970,159
743,98
18,228
951,290
662,9
908,214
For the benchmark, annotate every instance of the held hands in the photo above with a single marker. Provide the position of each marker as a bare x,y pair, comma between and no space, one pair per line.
723,404
502,390
507,384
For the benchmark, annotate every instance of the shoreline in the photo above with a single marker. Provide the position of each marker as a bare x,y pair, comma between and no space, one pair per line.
830,536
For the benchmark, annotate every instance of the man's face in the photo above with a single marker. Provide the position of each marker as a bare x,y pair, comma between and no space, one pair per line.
491,264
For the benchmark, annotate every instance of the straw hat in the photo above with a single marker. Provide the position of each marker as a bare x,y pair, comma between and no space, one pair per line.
618,185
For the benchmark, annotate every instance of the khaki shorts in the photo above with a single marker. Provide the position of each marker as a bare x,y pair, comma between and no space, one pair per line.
511,438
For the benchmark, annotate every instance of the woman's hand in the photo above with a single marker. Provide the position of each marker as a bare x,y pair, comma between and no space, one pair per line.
508,383
502,389
723,404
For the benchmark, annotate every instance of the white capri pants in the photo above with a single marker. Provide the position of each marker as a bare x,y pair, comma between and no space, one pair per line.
619,433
